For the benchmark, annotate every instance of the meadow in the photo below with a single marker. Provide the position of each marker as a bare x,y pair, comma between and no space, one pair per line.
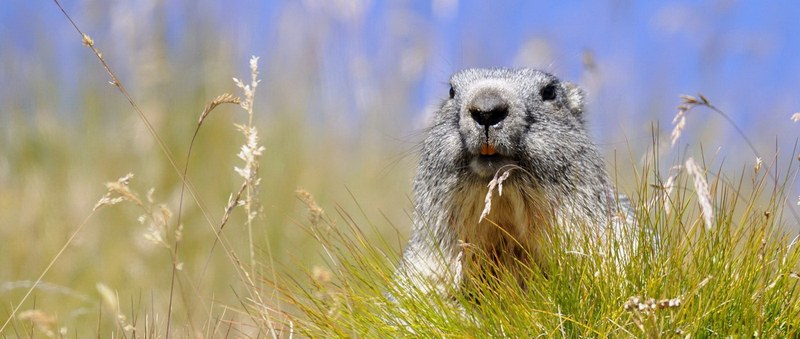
219,207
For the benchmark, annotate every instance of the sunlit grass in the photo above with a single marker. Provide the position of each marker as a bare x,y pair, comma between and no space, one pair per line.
322,268
115,275
736,276
318,259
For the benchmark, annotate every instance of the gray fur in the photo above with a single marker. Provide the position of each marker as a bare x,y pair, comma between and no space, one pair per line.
558,176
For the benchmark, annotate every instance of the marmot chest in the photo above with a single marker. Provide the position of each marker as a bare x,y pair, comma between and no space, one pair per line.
514,227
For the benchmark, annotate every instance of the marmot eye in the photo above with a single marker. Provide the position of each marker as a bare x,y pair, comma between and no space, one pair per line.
548,92
452,92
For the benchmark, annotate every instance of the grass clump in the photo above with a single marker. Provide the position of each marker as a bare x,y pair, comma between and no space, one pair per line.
707,258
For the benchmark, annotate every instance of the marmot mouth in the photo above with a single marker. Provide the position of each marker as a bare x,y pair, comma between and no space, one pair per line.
488,162
488,149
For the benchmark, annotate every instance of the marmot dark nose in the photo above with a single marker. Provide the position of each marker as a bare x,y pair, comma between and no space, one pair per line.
488,108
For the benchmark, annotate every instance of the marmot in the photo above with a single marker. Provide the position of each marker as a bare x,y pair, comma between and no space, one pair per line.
523,120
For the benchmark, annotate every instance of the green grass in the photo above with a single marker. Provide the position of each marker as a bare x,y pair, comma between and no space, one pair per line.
319,262
324,269
737,277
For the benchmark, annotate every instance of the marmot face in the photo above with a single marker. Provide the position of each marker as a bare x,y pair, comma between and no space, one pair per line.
531,122
523,117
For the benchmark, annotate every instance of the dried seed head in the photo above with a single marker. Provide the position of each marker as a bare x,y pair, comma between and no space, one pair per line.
224,98
109,296
704,99
41,320
680,124
704,282
315,213
688,99
87,41
117,192
320,274
37,317
701,189
641,304
497,181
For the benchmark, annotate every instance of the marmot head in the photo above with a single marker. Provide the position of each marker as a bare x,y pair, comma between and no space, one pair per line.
522,117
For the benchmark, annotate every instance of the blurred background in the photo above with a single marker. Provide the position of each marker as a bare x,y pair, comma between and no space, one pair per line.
347,86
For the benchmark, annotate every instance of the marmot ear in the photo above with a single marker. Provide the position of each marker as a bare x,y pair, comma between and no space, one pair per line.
575,98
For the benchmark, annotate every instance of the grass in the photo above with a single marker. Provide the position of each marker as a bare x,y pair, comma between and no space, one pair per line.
245,253
736,276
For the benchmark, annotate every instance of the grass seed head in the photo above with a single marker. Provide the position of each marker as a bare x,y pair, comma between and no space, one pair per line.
701,189
315,213
497,182
87,41
118,191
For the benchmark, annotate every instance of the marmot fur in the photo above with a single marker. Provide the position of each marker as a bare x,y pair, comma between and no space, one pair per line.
495,120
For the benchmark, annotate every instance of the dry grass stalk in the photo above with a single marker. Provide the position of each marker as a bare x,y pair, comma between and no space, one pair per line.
664,189
250,152
38,281
118,191
43,321
315,213
757,167
247,196
157,217
497,182
688,102
680,123
111,300
89,42
224,98
701,189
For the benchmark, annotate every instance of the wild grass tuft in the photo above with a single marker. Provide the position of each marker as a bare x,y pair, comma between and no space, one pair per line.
709,256
734,272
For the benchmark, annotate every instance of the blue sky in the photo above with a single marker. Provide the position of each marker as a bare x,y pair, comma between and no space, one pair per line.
743,55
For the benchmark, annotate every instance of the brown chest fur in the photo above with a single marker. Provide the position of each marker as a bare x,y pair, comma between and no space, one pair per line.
511,234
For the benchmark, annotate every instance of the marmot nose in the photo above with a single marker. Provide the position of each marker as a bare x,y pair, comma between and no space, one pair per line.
488,108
